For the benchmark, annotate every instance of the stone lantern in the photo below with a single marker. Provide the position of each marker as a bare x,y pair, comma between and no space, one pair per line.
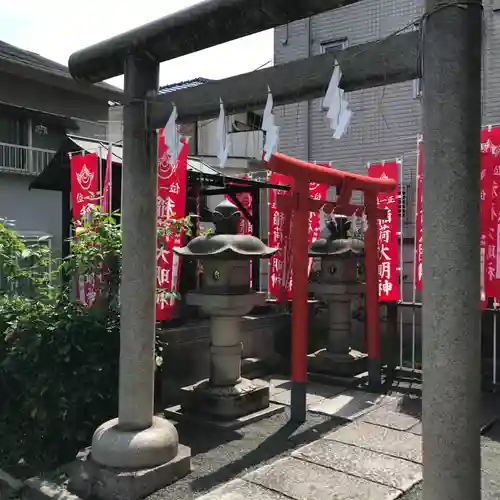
225,296
337,286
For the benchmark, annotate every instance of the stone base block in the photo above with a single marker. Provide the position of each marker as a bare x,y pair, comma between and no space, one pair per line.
345,365
176,413
91,480
226,403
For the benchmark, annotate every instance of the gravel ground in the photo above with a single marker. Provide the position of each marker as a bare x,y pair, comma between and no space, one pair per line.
221,455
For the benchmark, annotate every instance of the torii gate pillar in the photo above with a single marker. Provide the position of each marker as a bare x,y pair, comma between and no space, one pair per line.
304,173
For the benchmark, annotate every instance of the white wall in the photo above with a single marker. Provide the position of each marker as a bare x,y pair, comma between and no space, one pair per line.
34,210
115,123
243,144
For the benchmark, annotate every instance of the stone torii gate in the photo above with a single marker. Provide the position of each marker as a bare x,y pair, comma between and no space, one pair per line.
447,54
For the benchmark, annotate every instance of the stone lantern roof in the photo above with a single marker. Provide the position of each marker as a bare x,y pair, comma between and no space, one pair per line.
338,241
225,242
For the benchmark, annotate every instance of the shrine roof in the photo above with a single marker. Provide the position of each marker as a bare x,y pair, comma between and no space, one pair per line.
56,174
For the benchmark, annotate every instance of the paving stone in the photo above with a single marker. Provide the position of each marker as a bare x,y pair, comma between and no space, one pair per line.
402,414
302,480
278,384
350,404
285,397
242,490
324,390
490,464
417,429
381,439
366,464
490,412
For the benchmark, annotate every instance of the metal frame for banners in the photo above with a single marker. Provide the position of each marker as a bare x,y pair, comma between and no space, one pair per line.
408,361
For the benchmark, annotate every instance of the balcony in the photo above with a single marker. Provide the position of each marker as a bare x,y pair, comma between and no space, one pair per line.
23,159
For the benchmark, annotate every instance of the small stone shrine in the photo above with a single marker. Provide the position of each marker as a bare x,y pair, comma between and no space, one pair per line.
337,286
225,296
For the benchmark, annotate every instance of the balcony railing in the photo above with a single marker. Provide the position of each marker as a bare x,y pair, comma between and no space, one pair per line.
23,159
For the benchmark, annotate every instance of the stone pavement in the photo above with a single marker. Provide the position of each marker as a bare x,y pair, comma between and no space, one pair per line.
376,456
490,465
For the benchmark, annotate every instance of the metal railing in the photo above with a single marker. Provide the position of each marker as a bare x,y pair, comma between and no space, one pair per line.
24,159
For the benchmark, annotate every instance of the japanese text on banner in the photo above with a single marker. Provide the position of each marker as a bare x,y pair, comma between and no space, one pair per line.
279,231
388,247
487,250
171,204
490,147
84,176
490,216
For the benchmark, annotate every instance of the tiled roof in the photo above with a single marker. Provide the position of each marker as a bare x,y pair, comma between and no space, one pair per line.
17,55
182,85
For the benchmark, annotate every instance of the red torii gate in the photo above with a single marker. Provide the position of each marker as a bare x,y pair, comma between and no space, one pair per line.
300,204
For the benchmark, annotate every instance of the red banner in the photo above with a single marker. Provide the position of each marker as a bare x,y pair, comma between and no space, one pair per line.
279,233
84,176
488,253
419,244
490,216
171,204
84,183
490,147
280,275
388,248
316,192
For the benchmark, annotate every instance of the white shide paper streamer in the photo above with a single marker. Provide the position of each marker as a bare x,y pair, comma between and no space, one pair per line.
338,112
270,128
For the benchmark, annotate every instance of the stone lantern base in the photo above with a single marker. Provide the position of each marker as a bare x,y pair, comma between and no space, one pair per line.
226,403
347,365
228,407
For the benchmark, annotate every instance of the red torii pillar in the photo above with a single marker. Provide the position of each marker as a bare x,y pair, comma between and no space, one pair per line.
304,173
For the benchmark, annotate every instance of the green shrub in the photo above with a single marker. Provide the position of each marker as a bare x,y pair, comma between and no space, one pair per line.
60,374
58,359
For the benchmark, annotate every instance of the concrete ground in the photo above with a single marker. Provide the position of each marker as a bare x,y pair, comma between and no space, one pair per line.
355,445
490,466
219,455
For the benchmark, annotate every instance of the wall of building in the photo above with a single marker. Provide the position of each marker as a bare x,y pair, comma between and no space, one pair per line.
243,144
33,210
38,210
386,120
91,114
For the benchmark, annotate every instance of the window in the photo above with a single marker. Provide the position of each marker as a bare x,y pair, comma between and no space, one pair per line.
333,45
14,130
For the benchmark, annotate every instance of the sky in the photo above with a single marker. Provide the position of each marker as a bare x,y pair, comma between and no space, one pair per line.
57,28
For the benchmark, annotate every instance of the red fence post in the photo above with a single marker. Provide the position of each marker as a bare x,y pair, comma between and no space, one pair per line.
372,305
